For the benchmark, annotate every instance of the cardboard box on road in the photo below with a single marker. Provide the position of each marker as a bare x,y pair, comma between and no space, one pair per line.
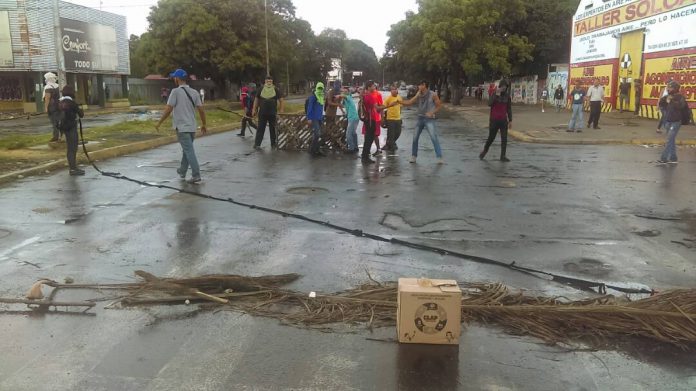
429,311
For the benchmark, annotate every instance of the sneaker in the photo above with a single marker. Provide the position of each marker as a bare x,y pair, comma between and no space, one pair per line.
597,128
570,130
440,161
182,175
412,159
367,160
257,147
241,135
76,172
53,140
194,180
504,159
579,131
482,155
672,162
377,153
659,131
661,162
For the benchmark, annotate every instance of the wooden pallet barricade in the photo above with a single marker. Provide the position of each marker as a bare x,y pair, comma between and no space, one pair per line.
295,134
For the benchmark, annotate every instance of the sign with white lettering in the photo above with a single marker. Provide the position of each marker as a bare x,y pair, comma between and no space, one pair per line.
667,24
88,47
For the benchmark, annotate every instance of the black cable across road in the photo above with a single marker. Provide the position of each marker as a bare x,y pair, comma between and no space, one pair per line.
577,283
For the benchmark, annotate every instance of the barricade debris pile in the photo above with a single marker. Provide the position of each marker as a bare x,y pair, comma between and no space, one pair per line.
668,317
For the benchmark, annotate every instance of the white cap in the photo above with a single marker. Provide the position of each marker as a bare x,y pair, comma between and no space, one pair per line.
50,75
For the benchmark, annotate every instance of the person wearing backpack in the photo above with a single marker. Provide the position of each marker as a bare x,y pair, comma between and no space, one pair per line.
247,98
50,99
69,112
558,96
676,113
314,109
182,105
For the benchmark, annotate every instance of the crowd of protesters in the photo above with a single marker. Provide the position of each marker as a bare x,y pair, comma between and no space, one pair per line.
364,105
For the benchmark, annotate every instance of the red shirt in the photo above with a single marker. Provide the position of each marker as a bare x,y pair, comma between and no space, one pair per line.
369,101
378,102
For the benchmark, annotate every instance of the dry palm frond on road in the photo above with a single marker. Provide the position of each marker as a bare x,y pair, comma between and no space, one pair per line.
669,317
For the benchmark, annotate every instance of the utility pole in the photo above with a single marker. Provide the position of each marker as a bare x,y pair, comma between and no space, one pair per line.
265,18
60,58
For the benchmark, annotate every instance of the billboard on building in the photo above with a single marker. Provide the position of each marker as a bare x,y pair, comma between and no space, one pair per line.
88,47
644,43
668,24
6,57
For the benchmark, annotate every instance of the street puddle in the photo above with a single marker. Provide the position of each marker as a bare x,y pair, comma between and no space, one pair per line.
398,222
308,190
588,266
649,233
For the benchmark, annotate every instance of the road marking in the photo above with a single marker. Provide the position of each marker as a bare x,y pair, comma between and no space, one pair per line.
4,255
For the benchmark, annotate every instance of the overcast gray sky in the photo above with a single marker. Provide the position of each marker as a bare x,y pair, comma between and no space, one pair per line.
346,15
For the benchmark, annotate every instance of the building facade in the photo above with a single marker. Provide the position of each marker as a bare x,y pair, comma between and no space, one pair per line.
80,44
645,42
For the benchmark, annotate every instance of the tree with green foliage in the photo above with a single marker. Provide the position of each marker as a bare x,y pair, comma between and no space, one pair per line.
138,64
225,41
458,41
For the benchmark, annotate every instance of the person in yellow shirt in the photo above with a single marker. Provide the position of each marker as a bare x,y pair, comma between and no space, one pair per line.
393,118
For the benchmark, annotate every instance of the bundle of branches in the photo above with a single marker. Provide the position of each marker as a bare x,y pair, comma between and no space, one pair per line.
668,317
216,288
372,305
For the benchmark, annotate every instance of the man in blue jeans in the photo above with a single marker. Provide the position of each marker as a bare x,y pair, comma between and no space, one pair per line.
673,106
351,110
182,105
578,98
428,105
315,117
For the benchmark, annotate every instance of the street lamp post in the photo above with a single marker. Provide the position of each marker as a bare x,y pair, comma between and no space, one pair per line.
265,18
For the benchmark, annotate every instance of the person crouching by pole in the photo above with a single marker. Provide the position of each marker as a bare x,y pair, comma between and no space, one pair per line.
68,119
500,119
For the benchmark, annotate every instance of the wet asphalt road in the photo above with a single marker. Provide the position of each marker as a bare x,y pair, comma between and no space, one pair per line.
595,212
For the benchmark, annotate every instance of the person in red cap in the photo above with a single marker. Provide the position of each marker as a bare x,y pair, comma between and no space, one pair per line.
182,105
247,98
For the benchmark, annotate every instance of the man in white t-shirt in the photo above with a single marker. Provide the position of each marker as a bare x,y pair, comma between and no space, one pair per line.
595,95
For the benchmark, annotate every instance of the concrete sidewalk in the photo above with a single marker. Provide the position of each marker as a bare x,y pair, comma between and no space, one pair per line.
531,125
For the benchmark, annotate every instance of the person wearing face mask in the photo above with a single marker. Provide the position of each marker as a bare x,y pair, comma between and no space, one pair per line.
51,98
266,105
500,120
315,117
